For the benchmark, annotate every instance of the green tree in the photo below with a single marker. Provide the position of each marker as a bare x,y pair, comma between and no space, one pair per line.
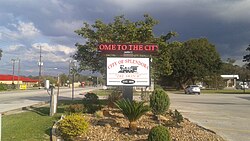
63,79
230,61
246,58
121,30
193,60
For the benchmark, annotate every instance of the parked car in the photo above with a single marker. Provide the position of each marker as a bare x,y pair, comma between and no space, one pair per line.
242,85
192,89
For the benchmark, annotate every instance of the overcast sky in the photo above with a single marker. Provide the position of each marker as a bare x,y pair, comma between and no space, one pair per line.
27,24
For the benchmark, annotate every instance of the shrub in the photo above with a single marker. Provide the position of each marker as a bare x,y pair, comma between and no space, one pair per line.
159,133
72,126
3,87
176,115
75,108
91,97
91,102
113,97
159,102
132,110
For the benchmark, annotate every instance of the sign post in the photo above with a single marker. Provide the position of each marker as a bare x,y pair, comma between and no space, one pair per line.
53,97
0,126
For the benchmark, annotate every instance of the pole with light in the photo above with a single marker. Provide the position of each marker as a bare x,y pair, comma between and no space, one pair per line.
40,64
13,70
18,74
73,71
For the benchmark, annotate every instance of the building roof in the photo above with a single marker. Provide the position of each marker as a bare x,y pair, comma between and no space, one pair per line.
230,76
6,77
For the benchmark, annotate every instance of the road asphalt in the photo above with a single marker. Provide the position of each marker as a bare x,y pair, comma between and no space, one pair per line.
16,100
226,114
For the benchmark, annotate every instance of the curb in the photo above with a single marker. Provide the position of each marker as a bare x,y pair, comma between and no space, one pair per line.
22,109
54,136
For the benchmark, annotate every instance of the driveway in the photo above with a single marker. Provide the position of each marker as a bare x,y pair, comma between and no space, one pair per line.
226,114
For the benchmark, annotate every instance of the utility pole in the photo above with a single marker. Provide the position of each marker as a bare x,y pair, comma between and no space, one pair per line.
69,73
73,85
13,70
40,63
18,73
74,67
0,126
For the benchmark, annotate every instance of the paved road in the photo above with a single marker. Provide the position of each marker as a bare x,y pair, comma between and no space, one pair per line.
226,114
12,100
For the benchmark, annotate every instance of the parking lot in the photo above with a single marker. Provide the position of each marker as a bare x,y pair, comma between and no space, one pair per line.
226,114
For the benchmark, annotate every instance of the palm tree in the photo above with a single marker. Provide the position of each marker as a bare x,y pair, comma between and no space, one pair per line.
132,110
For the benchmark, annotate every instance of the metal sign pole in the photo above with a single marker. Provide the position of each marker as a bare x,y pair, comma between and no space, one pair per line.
0,126
127,92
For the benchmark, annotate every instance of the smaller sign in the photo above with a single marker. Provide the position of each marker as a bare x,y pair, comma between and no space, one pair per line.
113,48
128,71
23,87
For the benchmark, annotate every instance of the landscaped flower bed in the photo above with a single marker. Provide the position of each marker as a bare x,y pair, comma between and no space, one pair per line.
115,127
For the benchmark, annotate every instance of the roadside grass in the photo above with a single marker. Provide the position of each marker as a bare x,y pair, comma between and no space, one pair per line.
226,91
32,125
35,123
102,92
213,91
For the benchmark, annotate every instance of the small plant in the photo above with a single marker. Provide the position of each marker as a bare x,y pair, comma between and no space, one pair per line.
75,108
145,95
91,97
159,102
177,116
132,110
91,102
99,114
72,126
159,133
113,97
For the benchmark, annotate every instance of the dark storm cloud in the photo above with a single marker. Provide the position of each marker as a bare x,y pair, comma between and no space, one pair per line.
224,22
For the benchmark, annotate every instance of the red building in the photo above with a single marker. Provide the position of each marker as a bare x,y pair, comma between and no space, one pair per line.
9,79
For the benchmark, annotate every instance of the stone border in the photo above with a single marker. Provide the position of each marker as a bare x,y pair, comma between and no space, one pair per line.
54,136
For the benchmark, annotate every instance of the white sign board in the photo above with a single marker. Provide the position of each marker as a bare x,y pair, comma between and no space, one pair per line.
123,71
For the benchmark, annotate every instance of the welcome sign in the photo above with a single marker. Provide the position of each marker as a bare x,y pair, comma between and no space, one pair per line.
115,48
123,71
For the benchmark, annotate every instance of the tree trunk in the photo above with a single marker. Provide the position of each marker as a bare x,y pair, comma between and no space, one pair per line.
133,126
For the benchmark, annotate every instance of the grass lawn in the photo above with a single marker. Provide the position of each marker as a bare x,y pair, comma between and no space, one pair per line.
227,91
206,91
33,125
107,92
28,126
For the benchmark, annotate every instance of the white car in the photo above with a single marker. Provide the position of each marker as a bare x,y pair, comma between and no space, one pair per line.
242,85
192,89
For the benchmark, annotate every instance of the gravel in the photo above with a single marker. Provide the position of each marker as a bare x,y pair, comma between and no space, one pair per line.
114,127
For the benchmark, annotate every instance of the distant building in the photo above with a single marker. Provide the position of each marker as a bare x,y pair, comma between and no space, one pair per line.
230,80
9,79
